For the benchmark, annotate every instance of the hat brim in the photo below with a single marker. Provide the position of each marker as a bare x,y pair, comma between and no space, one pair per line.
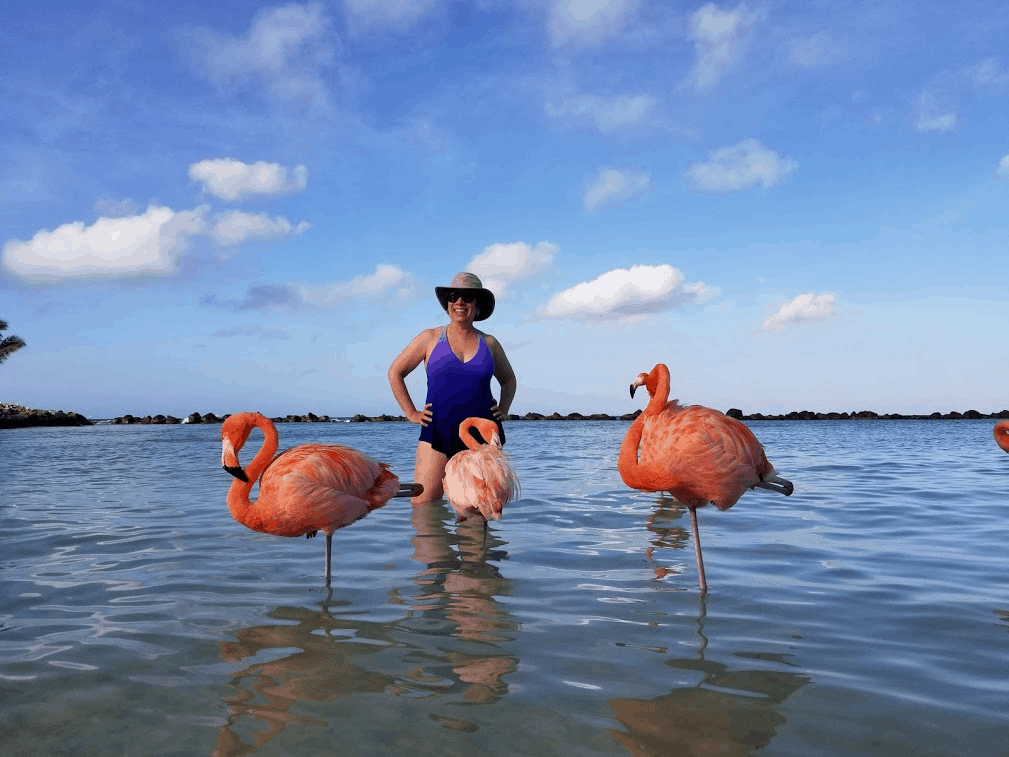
484,299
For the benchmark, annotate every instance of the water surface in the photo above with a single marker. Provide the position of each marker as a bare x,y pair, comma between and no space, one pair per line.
866,614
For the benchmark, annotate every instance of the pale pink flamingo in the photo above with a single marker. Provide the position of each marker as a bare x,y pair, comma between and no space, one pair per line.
1001,432
306,489
693,452
479,480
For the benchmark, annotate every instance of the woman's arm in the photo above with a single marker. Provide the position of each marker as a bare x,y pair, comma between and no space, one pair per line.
401,367
504,374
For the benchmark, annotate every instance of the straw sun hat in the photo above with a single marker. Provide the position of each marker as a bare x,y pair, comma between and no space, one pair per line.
463,280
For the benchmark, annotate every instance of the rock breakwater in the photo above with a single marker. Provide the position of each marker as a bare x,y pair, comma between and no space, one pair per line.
19,416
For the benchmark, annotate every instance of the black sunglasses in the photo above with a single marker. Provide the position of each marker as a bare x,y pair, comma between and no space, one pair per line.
464,296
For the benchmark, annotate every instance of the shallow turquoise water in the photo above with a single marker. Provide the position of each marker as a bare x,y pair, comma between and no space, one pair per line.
866,614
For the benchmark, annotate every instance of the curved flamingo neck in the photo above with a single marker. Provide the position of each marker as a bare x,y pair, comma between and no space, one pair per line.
1001,432
487,429
658,389
238,494
627,462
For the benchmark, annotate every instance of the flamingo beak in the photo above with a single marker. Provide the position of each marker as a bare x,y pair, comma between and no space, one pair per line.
237,472
633,387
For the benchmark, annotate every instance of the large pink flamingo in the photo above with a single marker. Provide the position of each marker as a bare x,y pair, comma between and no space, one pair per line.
306,489
479,480
1001,432
693,452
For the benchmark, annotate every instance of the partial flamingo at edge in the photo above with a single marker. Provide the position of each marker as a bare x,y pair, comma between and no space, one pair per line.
1001,432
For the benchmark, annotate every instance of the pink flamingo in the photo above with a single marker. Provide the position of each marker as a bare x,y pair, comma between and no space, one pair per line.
306,489
479,480
1001,432
693,452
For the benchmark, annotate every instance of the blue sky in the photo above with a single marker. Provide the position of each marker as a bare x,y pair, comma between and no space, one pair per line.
236,206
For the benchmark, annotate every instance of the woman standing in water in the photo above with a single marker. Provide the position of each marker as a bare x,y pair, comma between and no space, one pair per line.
460,361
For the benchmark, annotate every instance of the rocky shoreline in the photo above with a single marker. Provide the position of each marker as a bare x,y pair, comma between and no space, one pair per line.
18,416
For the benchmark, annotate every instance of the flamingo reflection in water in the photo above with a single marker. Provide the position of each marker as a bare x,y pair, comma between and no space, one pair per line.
710,717
322,667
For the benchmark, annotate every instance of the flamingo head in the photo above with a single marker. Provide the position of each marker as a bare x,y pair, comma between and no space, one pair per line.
234,432
642,380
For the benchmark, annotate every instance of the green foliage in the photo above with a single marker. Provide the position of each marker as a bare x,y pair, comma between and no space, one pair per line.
8,344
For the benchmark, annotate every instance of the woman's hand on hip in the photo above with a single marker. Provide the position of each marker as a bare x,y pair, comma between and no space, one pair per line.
423,417
496,412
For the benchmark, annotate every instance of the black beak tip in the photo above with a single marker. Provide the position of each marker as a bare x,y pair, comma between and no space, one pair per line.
236,472
632,390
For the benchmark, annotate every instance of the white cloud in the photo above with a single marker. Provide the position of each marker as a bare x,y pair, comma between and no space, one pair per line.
400,14
146,244
623,292
607,114
235,227
816,50
739,167
152,243
1002,169
720,37
611,187
284,50
499,265
231,179
802,309
935,110
588,22
935,122
387,281
989,75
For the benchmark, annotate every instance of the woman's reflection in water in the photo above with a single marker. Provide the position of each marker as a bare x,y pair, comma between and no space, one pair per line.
457,599
709,717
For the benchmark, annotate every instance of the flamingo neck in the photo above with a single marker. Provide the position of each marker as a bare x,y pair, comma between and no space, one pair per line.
658,390
627,462
487,429
238,494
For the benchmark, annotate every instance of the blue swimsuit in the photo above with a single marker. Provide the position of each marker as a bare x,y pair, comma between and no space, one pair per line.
457,391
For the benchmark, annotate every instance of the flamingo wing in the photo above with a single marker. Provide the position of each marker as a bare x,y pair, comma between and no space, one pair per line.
713,457
480,481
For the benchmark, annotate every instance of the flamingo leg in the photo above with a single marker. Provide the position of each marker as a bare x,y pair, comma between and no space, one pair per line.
329,555
697,548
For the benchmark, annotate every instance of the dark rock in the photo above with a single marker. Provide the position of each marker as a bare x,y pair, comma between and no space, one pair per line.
865,414
600,417
533,417
172,419
1002,414
513,417
735,412
935,416
358,418
631,416
574,417
193,418
972,414
14,416
555,416
954,415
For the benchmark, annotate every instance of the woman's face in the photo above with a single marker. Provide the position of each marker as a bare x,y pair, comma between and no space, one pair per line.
460,311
